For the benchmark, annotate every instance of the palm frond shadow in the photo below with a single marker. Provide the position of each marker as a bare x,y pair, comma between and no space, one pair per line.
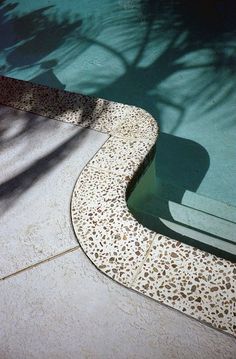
24,48
179,32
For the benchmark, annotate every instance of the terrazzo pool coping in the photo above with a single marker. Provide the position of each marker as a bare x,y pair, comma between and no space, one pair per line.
190,280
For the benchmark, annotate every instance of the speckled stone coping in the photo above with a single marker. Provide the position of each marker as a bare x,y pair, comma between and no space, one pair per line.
185,278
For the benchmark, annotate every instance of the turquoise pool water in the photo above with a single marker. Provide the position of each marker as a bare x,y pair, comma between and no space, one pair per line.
176,60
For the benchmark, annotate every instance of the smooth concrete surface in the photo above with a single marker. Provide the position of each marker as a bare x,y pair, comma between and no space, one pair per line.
66,309
40,162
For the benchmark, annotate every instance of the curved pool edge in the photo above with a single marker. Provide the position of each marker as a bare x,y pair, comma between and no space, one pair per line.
185,278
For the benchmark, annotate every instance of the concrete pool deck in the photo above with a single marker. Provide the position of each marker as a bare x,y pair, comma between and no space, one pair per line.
66,309
40,163
192,281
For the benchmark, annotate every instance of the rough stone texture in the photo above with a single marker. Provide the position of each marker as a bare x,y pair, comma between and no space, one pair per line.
117,161
67,309
200,293
121,156
99,114
113,246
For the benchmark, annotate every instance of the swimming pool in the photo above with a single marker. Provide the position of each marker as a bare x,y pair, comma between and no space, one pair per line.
176,62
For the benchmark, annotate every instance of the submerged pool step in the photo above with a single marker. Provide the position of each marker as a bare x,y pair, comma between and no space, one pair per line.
186,233
195,200
186,216
190,217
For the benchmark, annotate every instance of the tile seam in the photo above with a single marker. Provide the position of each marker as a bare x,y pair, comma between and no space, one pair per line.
49,259
135,275
130,119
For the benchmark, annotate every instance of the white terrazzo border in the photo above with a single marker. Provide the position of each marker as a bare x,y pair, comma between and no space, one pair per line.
195,282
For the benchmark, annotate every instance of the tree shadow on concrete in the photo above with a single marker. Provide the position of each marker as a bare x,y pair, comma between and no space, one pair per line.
37,35
16,128
176,29
24,178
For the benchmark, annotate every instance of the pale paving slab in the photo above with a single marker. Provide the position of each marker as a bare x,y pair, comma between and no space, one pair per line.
66,309
186,279
40,163
125,153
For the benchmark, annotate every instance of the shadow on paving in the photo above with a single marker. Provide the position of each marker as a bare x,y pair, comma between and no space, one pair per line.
23,126
185,37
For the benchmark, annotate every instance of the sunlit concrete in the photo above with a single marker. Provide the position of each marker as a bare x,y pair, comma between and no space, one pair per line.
67,309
